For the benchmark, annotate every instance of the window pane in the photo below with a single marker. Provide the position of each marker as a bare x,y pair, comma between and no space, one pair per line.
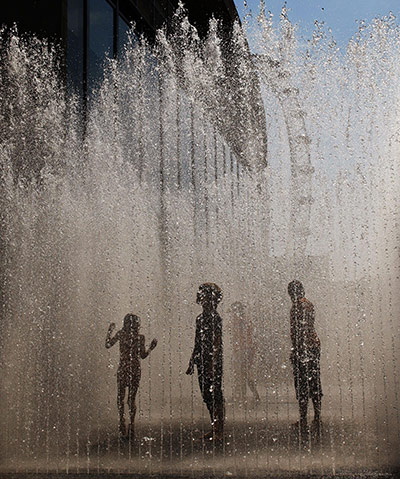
123,30
75,46
101,36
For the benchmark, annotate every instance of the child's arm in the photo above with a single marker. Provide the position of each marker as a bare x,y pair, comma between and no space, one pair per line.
196,350
142,345
109,340
293,334
217,341
190,369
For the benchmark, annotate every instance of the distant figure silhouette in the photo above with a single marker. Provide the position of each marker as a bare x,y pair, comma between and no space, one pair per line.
132,348
207,356
305,355
244,351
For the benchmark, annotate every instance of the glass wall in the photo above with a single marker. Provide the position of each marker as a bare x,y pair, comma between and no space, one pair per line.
123,31
100,39
75,46
97,29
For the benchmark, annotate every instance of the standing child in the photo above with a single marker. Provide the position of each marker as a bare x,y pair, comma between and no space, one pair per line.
132,348
305,355
207,356
244,352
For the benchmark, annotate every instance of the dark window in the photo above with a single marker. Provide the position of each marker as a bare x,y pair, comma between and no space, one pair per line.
75,46
123,30
101,39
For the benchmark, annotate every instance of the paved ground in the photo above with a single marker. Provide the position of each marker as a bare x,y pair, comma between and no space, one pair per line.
250,449
108,475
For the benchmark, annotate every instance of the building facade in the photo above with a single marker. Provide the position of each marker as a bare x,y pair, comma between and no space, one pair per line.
89,31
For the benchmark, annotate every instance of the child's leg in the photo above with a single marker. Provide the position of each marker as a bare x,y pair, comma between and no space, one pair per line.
218,413
303,407
316,392
302,392
206,388
211,389
132,391
253,388
217,404
243,383
120,402
317,408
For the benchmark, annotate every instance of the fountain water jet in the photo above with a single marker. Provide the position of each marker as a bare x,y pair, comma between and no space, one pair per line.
152,202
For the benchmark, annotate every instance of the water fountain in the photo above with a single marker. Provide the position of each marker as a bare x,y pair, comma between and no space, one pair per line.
151,201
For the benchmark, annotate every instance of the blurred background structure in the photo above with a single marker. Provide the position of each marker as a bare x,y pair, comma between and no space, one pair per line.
89,31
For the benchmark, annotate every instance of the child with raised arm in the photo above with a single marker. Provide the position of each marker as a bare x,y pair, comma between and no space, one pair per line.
132,349
207,356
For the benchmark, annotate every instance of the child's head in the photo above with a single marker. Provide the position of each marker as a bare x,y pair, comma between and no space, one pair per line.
131,322
209,295
238,310
295,290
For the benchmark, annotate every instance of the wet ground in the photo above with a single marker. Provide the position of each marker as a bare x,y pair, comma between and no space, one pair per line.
250,449
371,475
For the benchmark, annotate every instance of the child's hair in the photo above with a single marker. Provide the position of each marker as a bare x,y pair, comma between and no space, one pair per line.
295,288
212,290
130,321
